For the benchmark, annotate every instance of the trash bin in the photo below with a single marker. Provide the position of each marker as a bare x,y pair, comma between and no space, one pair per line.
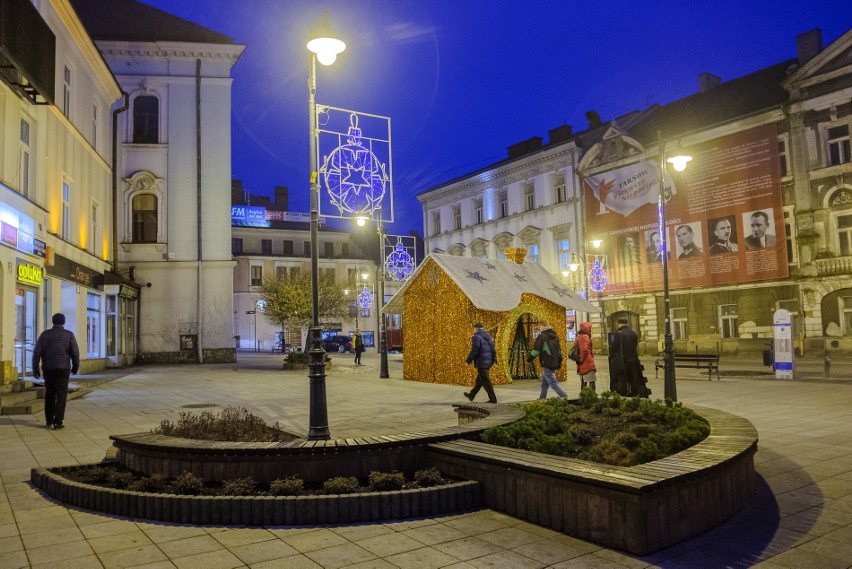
767,357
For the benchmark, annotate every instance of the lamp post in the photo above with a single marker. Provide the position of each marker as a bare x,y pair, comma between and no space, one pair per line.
380,277
324,48
679,164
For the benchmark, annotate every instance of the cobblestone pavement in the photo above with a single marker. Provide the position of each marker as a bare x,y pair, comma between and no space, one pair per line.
801,516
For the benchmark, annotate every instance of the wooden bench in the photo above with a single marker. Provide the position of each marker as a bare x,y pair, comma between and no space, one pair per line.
696,360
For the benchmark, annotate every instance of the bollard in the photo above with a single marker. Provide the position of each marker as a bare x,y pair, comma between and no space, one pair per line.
826,360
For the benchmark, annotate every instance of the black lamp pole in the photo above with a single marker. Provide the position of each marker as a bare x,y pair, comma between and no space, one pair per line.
383,337
670,385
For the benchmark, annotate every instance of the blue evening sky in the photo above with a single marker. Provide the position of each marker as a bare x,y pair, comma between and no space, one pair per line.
462,80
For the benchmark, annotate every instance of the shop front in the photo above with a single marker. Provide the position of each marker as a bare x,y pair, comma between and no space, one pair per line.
122,301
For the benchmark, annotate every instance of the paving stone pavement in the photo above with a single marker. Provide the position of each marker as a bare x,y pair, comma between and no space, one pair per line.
801,516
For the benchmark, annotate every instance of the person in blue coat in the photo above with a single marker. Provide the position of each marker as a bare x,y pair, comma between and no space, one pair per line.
482,354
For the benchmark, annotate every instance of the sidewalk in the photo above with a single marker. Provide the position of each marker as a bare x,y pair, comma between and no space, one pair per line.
800,517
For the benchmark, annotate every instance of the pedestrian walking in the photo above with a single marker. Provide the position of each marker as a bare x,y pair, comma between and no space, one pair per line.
586,368
624,360
358,343
483,354
549,352
57,353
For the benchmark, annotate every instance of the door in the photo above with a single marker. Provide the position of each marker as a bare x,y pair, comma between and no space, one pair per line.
25,328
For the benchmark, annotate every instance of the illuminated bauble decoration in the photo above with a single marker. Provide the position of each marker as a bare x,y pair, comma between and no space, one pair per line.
399,263
582,293
597,277
365,299
354,177
261,306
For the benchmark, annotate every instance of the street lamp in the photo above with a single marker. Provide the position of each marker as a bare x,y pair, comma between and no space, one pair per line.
322,47
678,162
380,277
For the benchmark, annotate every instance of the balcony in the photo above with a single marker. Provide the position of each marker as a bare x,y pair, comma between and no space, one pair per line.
834,266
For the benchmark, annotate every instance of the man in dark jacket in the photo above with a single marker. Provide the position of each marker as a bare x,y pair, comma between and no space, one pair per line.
482,354
549,352
57,352
624,348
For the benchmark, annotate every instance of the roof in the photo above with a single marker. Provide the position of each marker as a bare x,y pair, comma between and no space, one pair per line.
496,286
741,97
139,22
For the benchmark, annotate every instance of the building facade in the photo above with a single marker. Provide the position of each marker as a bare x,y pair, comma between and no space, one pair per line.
759,221
55,182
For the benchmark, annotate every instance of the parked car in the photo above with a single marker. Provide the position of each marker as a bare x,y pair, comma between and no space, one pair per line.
337,344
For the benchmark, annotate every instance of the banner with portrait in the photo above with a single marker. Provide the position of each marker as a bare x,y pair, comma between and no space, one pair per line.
725,221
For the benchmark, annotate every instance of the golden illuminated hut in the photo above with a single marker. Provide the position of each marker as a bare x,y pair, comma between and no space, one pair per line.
447,294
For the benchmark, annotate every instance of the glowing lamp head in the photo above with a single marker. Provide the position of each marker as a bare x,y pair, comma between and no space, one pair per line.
679,162
365,276
573,267
565,273
596,243
326,49
361,221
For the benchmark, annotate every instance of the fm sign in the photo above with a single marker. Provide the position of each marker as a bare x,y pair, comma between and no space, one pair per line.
249,215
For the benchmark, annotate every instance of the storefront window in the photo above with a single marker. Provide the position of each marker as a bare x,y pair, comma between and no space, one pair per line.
111,317
128,317
93,326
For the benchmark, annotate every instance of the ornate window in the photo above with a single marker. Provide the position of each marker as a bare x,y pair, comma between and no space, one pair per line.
728,323
837,138
144,218
146,208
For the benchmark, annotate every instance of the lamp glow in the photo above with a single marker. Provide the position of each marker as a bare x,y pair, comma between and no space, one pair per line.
361,221
573,267
596,243
565,273
679,162
326,49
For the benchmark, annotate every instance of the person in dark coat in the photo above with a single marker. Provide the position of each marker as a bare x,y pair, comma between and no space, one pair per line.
482,354
546,347
358,344
57,353
624,359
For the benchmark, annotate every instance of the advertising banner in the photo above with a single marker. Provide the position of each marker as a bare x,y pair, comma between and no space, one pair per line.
725,222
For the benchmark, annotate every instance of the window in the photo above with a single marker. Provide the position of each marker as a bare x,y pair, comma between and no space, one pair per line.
436,222
503,201
144,218
95,126
266,246
457,224
532,253
307,249
559,189
790,232
679,330
728,321
24,165
93,328
95,229
477,211
256,275
236,246
66,92
329,250
782,157
844,234
838,145
288,247
146,119
66,210
529,197
563,251
845,314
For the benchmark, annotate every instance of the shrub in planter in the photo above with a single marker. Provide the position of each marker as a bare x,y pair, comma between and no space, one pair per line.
428,477
232,424
292,486
120,479
341,485
155,483
386,481
302,358
188,483
238,487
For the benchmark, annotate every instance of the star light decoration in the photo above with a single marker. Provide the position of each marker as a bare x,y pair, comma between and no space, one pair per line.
597,277
355,178
365,298
399,263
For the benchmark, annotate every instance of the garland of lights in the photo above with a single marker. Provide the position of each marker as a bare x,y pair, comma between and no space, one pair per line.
597,277
399,263
354,177
365,299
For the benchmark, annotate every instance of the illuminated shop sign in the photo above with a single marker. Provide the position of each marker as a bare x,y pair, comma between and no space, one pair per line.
70,271
256,216
17,229
29,274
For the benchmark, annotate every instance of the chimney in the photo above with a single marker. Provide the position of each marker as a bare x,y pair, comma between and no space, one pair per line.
594,119
237,195
707,81
282,198
808,45
516,254
525,147
559,134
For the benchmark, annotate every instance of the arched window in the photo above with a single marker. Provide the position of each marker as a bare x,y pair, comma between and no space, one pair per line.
145,218
146,120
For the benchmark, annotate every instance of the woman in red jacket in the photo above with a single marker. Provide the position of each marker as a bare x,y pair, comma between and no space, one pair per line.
586,363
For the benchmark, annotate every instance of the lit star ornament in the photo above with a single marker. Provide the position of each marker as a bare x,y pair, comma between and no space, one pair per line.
365,299
399,263
354,177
